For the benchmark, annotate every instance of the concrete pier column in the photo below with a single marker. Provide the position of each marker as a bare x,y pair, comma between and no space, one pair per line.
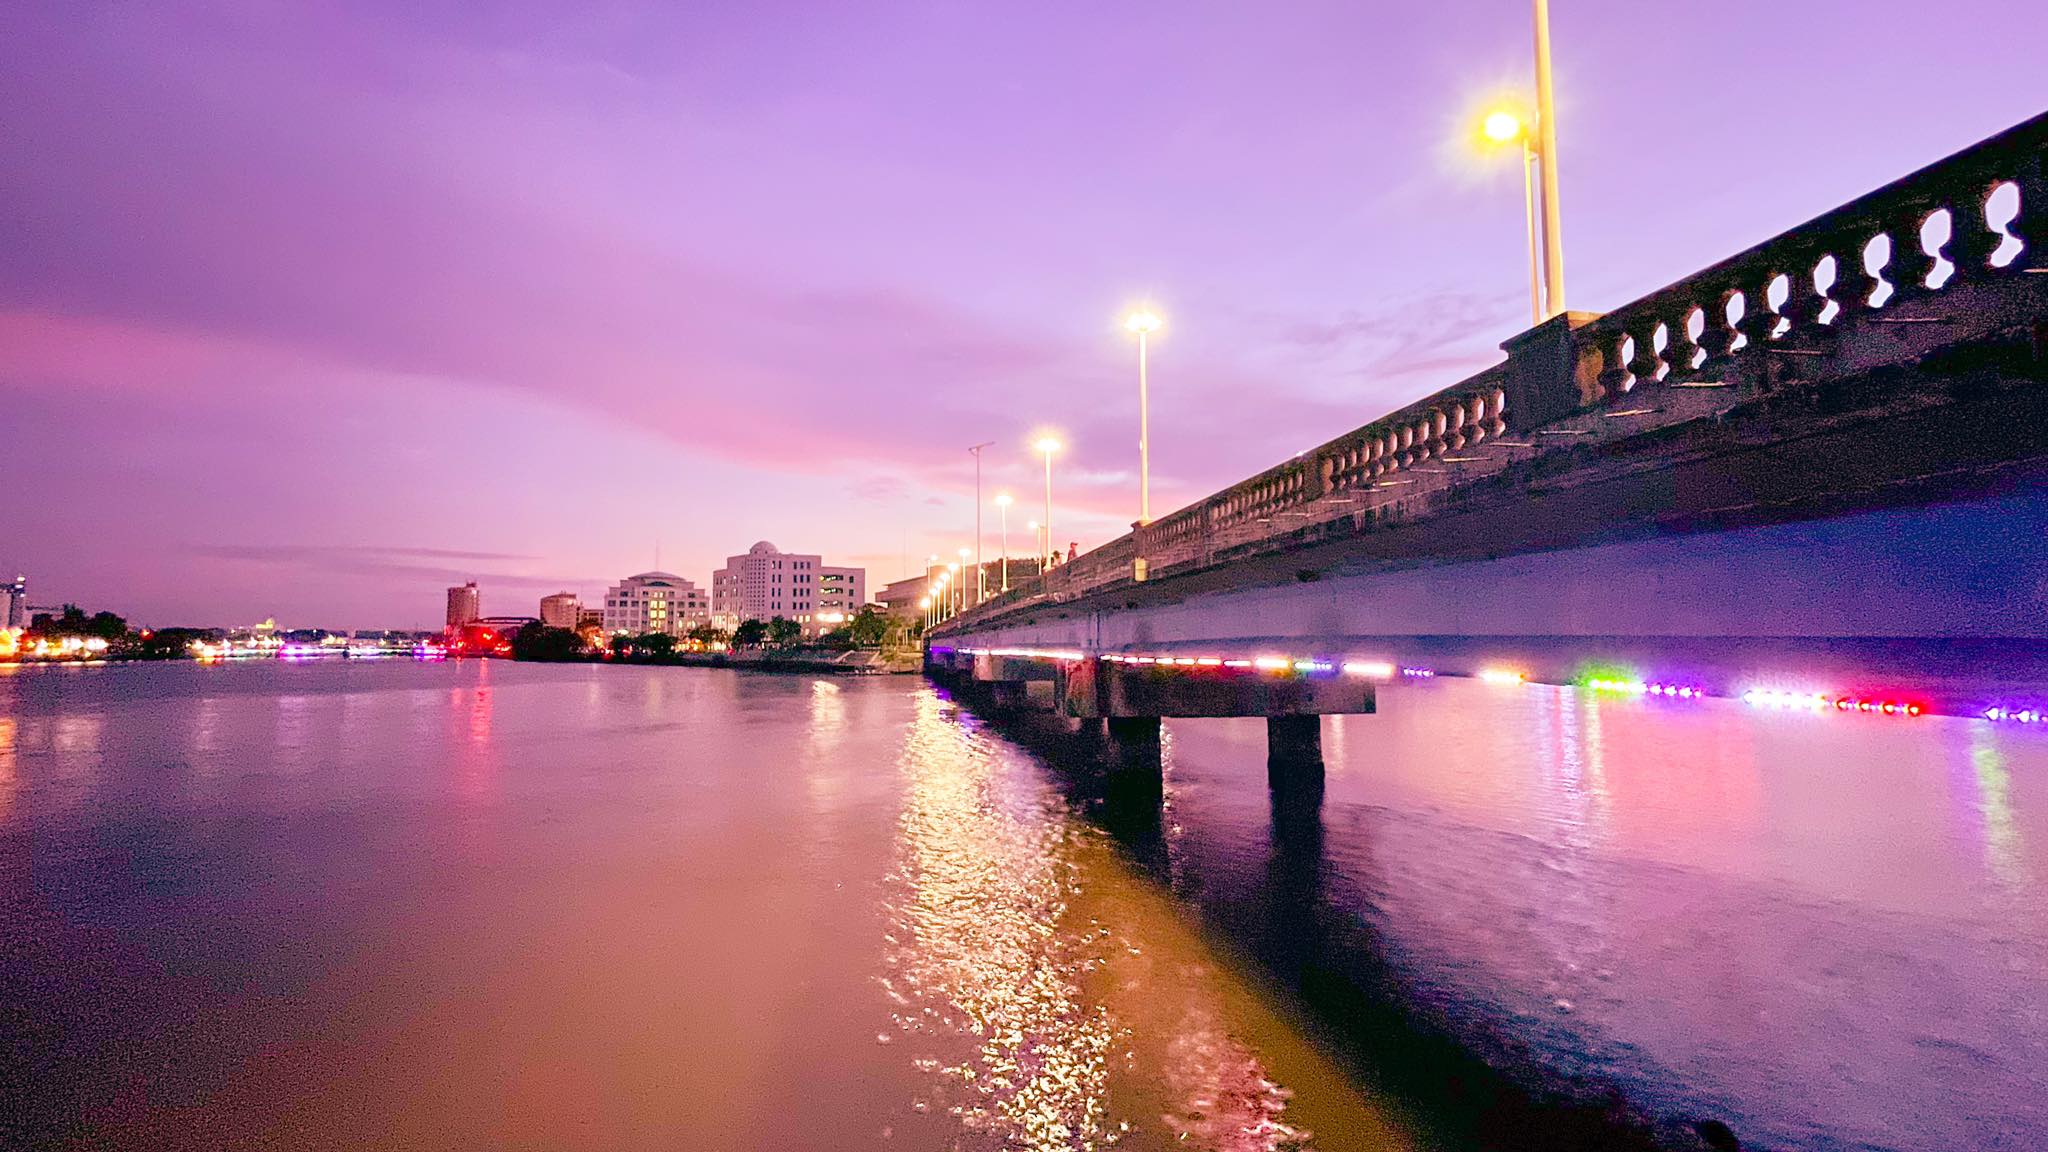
1134,741
1294,751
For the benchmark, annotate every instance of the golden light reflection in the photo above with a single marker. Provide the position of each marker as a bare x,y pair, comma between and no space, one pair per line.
1056,996
7,764
977,954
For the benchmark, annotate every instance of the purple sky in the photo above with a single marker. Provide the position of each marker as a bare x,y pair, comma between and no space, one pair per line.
309,309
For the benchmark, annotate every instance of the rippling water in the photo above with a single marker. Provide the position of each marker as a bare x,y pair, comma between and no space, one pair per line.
481,905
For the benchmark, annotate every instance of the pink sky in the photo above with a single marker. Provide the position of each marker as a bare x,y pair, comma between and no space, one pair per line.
307,310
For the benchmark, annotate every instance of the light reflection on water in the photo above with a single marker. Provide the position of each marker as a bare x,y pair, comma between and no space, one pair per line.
1057,1000
978,950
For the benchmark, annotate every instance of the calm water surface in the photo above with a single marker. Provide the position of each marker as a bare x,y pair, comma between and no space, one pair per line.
498,905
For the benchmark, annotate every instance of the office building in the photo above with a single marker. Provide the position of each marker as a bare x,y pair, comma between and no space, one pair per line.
561,610
465,605
768,582
655,602
14,603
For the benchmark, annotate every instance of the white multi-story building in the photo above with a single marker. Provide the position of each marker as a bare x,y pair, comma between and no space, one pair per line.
560,610
655,602
768,582
465,605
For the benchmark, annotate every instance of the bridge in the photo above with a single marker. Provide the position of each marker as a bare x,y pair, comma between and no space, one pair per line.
1785,467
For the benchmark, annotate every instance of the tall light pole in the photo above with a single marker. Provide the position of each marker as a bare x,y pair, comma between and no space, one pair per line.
1048,446
1144,323
1546,131
963,584
980,583
1501,127
1003,502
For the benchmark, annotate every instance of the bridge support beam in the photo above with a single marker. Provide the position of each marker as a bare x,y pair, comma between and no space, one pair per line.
1134,741
1099,688
1294,752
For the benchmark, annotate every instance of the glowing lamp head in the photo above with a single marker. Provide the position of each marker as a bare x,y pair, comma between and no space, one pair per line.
1003,499
951,567
1048,445
1142,321
1502,127
924,602
964,552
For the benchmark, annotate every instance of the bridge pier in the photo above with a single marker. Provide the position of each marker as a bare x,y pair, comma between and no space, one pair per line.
1294,752
1134,741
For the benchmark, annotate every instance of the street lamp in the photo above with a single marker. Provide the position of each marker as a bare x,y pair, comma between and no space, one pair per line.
1048,445
1546,132
963,563
1502,126
1144,323
980,585
1003,502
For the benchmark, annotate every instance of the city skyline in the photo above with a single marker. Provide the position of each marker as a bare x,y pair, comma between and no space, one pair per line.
532,279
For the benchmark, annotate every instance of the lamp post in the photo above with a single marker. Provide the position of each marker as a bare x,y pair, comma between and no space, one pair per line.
924,604
963,584
1003,502
1546,131
952,592
1501,127
1048,446
980,584
1144,323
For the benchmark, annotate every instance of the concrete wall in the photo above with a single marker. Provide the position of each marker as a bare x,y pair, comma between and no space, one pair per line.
1971,569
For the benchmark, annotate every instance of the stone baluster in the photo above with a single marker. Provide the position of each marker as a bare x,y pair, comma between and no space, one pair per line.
1803,302
1853,282
1971,240
1718,335
1644,363
1759,320
1909,263
1613,371
2031,225
1680,349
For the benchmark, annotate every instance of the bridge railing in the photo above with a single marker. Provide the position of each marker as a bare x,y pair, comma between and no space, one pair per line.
1795,295
1771,316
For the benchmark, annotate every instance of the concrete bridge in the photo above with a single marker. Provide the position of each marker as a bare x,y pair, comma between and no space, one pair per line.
1835,436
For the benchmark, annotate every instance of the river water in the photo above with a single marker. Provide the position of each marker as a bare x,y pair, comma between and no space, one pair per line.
479,904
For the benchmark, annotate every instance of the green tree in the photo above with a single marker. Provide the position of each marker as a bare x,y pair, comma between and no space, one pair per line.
784,633
73,621
709,634
868,628
537,641
750,634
